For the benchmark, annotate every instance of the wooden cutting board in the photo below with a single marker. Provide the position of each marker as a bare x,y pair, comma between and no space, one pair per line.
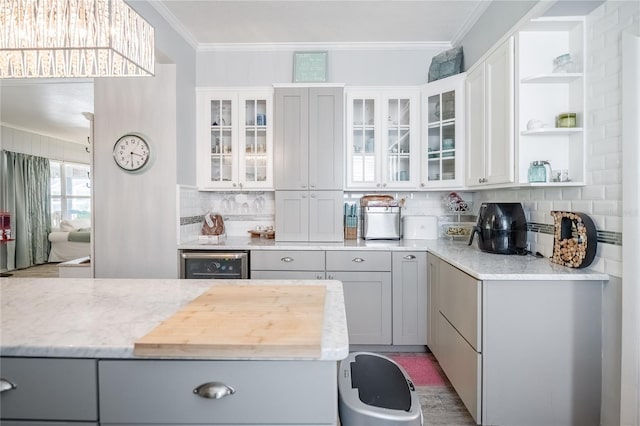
239,321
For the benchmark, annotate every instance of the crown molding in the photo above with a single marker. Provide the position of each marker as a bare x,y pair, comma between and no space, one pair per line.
481,7
253,47
175,23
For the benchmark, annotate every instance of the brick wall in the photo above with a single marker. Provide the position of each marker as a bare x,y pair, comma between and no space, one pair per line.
602,196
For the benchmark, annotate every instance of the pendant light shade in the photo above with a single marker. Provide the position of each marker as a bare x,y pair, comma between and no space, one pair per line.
74,38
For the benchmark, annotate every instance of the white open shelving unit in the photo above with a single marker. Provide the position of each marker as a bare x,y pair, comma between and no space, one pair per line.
542,94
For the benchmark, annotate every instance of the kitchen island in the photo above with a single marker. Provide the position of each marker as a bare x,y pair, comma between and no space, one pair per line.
68,346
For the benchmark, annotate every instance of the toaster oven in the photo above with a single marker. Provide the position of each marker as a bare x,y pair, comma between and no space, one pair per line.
381,223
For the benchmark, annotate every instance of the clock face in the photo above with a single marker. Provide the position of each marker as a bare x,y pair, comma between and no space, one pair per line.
131,153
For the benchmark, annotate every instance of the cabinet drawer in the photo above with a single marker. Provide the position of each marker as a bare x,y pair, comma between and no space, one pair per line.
462,365
287,260
358,260
266,392
460,302
50,389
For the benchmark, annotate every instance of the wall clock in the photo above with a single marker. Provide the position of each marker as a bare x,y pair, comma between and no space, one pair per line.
131,153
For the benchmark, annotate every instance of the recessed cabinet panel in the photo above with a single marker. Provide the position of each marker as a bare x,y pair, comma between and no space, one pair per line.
489,110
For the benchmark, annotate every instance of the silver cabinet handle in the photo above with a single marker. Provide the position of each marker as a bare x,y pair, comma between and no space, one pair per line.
287,259
357,260
6,385
409,257
213,390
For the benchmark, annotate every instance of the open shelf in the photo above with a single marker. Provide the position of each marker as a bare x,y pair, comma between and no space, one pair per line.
552,78
548,131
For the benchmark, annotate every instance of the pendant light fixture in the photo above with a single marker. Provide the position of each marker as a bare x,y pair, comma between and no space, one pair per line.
74,38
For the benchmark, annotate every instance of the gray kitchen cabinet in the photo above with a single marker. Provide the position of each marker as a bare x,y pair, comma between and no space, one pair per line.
366,281
489,136
518,352
410,314
265,392
287,264
56,389
309,160
309,147
309,216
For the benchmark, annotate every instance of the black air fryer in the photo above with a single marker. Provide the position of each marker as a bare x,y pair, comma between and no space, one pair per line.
501,228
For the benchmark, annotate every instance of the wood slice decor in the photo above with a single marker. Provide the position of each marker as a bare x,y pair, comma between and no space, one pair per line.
243,321
575,239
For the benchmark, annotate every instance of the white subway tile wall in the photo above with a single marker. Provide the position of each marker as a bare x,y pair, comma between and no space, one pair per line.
241,211
602,197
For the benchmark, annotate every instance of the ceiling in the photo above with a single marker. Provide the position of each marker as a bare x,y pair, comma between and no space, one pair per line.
54,107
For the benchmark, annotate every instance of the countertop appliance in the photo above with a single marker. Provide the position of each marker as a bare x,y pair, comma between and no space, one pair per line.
381,217
501,228
214,264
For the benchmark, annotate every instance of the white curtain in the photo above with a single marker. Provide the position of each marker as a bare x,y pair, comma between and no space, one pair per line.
25,193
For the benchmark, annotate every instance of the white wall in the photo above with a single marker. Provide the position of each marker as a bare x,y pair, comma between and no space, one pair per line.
134,214
397,65
175,50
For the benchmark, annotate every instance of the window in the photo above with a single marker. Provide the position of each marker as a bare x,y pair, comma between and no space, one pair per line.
70,192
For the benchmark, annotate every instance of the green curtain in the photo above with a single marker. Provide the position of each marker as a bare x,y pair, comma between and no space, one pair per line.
25,192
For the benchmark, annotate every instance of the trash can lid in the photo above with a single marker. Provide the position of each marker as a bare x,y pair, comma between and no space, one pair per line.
380,382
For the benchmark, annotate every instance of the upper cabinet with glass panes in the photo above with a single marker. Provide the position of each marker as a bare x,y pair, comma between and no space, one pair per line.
382,138
442,158
235,139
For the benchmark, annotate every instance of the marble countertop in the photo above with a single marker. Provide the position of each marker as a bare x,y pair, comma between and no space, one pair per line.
102,318
478,264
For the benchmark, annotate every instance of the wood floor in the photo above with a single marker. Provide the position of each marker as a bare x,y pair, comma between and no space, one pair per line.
440,404
46,270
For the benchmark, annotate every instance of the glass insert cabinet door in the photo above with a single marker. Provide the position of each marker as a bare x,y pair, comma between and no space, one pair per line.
442,115
235,139
364,135
382,142
255,156
221,140
398,141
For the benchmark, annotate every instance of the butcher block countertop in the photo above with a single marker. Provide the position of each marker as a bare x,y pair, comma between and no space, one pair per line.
104,318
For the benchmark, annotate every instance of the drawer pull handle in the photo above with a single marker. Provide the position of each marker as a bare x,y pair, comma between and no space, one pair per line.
214,390
409,257
6,385
287,259
358,260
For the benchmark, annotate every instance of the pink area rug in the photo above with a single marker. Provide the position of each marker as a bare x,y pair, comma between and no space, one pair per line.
422,368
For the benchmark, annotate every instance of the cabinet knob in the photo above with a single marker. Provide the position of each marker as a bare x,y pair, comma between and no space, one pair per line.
330,277
422,185
313,195
303,186
6,385
357,260
384,185
213,390
304,196
234,185
319,277
409,257
312,186
378,185
286,259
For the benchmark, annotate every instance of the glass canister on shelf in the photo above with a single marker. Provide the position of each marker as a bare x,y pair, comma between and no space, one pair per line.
566,120
539,171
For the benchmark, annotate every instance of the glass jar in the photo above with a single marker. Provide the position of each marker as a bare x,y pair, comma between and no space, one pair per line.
567,119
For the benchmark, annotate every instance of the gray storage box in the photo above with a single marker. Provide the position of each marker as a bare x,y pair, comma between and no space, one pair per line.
374,390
